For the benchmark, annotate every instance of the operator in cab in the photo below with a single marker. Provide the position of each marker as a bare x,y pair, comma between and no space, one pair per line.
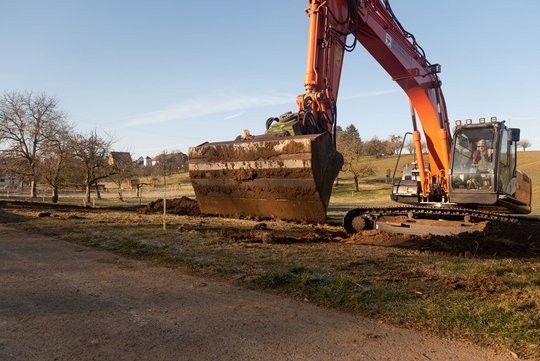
483,156
482,159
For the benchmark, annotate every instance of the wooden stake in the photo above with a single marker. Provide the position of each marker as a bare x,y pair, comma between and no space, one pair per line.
164,210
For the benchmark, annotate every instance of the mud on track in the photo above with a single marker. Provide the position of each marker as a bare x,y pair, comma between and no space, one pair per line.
498,239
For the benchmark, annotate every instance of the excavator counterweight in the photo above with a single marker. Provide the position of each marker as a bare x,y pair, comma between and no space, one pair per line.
268,176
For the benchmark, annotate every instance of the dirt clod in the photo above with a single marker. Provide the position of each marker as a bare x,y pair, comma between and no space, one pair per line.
261,226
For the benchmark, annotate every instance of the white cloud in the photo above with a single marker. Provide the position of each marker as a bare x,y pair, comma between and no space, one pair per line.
218,104
236,115
197,107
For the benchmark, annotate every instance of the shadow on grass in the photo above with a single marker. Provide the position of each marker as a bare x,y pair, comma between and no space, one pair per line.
7,217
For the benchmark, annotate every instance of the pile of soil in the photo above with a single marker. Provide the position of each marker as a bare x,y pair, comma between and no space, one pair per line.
498,239
180,206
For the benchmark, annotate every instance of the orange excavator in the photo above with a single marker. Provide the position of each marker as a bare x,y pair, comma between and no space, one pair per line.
288,172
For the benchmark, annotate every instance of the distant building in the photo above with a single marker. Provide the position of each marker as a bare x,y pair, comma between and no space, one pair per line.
148,162
144,161
7,180
177,159
118,158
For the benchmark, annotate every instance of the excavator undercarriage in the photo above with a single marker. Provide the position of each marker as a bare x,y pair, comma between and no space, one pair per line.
424,220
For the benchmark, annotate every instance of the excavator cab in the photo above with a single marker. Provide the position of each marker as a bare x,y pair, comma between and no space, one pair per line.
484,167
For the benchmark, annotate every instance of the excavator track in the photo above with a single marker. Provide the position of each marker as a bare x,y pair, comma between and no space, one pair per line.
425,219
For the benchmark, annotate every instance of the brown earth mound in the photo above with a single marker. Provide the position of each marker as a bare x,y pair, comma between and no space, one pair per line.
180,206
498,239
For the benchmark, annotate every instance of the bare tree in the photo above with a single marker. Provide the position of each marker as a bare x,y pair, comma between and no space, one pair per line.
524,144
410,146
25,122
349,144
139,174
121,170
91,151
57,161
394,143
169,163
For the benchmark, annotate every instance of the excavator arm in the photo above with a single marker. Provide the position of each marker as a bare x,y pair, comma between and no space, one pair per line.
372,24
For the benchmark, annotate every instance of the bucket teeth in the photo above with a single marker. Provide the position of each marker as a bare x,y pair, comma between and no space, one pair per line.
284,177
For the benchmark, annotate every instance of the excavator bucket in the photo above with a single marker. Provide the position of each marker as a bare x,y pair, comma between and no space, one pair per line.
268,176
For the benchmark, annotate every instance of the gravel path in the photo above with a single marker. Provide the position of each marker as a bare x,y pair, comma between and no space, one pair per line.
62,301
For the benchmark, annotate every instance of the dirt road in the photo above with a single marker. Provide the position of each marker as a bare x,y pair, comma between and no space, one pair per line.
61,301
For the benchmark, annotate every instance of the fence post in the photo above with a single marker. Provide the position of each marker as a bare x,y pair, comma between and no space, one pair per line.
164,210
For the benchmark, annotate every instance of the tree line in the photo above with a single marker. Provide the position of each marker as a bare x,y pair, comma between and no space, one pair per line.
38,145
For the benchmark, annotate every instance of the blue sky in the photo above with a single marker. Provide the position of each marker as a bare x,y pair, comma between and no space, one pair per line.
165,75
